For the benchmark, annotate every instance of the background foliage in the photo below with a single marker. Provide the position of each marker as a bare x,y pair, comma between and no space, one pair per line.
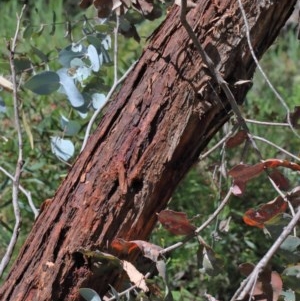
202,189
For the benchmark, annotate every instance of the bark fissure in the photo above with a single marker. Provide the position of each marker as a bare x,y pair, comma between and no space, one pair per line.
152,133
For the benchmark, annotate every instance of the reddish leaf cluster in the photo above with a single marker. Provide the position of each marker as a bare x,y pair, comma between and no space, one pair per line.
242,173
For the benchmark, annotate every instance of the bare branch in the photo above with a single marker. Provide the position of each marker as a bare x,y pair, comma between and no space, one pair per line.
16,179
24,191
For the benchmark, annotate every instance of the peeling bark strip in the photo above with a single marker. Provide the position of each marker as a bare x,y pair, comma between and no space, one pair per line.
153,132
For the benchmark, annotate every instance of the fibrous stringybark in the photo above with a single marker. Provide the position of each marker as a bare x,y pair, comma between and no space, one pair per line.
153,132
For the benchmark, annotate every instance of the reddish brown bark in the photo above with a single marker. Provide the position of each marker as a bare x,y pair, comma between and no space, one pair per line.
153,132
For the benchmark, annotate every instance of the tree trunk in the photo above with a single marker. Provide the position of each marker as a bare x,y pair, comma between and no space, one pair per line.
153,132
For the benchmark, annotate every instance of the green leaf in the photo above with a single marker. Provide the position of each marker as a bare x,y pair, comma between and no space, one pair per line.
53,23
22,64
67,54
43,83
89,295
27,31
40,54
70,127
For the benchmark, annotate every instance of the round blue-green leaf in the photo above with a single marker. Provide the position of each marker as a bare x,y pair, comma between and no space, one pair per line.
67,54
62,148
43,83
94,58
89,295
70,127
75,97
98,101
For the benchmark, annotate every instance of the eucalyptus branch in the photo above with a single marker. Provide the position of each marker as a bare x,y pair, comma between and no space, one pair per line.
282,101
24,191
96,113
247,285
16,179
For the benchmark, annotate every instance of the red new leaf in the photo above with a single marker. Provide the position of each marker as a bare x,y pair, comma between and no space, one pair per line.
176,222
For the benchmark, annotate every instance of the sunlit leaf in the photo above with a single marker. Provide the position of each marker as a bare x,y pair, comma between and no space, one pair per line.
176,222
62,148
135,276
94,58
98,101
211,264
75,97
257,217
89,294
274,163
43,83
149,250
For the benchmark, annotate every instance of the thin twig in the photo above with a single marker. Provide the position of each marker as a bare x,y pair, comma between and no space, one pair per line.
267,123
247,285
212,149
282,101
24,191
203,226
128,290
276,146
16,179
